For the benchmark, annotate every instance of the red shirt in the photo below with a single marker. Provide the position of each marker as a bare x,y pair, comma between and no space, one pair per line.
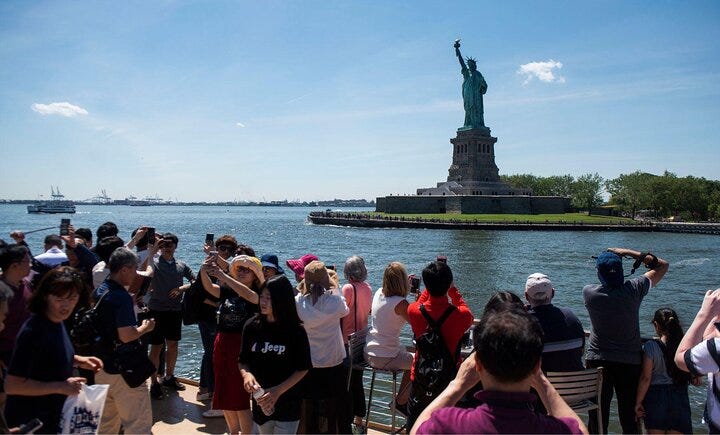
454,326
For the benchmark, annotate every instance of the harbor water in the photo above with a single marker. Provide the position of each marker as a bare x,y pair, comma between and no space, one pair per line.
482,261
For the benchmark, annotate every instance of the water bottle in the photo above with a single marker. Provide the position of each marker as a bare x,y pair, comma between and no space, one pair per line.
258,393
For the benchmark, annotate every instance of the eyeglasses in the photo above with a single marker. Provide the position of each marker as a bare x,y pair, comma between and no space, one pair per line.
268,268
226,248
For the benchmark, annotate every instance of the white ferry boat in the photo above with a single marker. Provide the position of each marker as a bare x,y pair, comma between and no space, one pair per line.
56,204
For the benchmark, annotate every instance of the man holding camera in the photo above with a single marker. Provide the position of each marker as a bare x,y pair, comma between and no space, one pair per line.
439,284
506,359
614,345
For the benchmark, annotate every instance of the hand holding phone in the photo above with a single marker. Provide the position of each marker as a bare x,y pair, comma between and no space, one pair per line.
31,426
414,284
64,227
209,239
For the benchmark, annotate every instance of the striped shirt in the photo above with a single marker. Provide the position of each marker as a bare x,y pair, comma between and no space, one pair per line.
704,359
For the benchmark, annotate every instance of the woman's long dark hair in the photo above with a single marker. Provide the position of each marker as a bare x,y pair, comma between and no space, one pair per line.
668,325
282,297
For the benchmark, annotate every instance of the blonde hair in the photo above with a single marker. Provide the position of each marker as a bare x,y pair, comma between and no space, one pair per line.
395,280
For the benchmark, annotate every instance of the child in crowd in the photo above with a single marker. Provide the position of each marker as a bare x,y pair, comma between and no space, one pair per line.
662,394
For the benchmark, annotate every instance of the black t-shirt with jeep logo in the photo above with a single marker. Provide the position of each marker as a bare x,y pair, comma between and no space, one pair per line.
273,354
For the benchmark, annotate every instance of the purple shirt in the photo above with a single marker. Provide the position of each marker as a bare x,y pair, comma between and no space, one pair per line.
499,413
17,315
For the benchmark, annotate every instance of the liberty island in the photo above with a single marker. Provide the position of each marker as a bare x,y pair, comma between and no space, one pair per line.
473,184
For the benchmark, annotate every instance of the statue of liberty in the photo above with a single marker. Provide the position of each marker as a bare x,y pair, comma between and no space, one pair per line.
473,88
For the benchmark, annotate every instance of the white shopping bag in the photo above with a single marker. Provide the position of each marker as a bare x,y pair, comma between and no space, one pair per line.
81,413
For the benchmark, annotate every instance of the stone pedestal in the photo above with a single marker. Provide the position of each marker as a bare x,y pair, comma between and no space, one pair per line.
473,158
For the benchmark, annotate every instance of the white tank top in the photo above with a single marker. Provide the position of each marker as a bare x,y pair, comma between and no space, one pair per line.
384,338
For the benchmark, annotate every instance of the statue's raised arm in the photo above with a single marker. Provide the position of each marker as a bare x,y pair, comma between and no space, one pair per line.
459,56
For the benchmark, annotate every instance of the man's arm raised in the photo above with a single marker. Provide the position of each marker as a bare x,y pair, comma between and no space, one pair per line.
694,335
466,378
658,267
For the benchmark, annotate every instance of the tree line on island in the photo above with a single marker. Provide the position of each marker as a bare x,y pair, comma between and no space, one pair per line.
637,194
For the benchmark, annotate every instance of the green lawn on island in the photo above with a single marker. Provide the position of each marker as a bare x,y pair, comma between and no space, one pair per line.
567,218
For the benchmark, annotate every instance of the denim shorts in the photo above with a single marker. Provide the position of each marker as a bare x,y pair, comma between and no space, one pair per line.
667,407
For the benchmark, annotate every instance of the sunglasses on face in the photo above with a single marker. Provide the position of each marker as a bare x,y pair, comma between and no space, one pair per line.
242,270
225,248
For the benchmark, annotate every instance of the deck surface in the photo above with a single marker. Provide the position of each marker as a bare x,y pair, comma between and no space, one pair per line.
180,413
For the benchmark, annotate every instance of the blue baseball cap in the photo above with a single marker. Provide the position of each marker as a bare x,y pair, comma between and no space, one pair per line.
609,267
271,260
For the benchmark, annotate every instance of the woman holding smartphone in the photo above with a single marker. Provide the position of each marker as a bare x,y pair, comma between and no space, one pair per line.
238,294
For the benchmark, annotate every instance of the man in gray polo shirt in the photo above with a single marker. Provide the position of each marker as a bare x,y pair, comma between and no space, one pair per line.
614,345
165,308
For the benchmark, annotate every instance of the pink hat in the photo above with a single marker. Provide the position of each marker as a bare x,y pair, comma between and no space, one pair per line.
298,265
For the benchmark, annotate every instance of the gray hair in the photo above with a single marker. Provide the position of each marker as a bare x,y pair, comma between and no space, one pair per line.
540,300
122,257
355,270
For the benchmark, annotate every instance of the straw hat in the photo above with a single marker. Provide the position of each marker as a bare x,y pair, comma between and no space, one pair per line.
249,262
316,273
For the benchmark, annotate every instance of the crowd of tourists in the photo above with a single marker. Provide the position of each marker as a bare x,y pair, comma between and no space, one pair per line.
275,339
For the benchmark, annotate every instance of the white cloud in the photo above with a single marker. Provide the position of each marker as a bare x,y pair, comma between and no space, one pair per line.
63,109
543,71
240,124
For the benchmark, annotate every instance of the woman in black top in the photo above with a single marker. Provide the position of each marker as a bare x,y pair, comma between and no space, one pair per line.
40,373
275,356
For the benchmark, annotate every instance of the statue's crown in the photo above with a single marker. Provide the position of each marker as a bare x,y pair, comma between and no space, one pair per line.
472,59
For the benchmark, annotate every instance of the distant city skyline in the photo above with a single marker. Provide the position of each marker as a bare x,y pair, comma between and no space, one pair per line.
264,101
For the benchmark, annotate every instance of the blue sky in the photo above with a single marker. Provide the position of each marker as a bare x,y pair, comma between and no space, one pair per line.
255,100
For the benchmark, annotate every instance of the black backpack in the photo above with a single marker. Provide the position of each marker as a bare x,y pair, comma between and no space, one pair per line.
85,334
192,303
435,365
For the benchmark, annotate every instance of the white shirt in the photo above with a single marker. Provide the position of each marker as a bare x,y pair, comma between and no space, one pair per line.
52,257
700,360
99,272
322,324
384,338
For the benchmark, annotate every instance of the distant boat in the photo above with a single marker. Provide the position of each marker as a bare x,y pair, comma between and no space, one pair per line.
56,204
